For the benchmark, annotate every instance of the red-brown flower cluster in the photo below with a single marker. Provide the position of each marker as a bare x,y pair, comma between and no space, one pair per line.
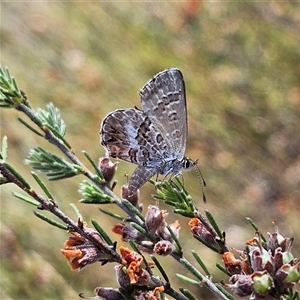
131,273
198,229
157,227
132,270
80,251
263,270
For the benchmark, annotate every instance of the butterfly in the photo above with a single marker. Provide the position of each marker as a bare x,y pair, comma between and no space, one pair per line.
153,138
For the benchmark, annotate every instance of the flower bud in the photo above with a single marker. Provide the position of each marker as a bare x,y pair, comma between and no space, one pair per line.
163,248
122,276
232,265
241,285
133,199
262,282
292,273
81,252
175,227
132,274
127,232
107,168
287,255
109,293
288,275
197,228
260,259
164,232
154,218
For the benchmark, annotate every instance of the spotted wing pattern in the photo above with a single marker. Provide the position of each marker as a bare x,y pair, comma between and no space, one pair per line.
164,102
130,135
153,138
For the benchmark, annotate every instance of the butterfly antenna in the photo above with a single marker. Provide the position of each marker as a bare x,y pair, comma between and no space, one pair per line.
202,181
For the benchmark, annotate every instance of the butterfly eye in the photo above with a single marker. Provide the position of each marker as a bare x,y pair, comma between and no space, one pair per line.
187,163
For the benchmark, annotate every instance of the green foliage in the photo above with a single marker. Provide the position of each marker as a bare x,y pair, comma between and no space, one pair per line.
10,94
240,62
255,227
102,232
96,169
174,194
93,195
201,263
54,167
50,221
26,199
51,118
42,185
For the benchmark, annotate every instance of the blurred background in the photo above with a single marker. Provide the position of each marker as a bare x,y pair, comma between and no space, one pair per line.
241,64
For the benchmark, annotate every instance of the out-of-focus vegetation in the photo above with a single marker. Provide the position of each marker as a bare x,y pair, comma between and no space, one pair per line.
241,63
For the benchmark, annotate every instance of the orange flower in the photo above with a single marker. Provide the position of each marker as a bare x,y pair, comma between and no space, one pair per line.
80,251
132,271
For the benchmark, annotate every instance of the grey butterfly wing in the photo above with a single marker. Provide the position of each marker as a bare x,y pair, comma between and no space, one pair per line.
130,135
163,100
